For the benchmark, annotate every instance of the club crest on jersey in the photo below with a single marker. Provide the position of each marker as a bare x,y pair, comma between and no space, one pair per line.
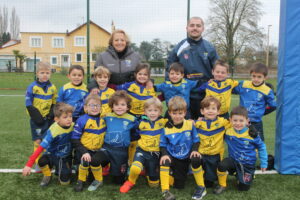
186,56
187,134
259,95
83,94
128,63
125,123
217,124
246,142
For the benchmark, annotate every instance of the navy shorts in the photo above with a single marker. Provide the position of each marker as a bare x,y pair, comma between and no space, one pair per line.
210,165
38,132
62,165
118,159
150,161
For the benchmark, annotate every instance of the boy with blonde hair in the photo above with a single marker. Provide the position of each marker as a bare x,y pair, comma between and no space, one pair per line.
179,145
102,76
57,144
39,100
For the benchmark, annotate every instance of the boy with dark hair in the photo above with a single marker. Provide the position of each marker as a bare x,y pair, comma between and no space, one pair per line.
57,145
179,145
256,96
242,145
40,99
211,131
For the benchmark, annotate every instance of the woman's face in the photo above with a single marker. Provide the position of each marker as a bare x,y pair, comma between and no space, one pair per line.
119,42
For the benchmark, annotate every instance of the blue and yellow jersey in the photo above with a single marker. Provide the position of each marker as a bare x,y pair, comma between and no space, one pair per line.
119,129
139,94
222,91
90,130
255,99
242,147
58,140
182,89
74,96
104,96
211,134
150,133
179,141
42,96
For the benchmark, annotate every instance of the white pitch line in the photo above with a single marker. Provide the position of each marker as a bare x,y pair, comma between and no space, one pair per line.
33,171
11,95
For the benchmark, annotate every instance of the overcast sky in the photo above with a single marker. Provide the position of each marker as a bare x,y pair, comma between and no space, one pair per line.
141,19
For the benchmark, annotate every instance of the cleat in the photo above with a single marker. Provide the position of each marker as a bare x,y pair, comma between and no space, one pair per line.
167,195
95,184
199,193
219,189
126,187
79,186
45,181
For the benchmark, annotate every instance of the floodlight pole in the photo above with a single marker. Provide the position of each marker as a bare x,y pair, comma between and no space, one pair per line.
34,65
268,46
188,10
88,41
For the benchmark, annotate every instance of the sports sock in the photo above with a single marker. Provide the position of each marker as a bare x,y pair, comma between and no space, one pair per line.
97,172
198,175
46,170
222,177
82,173
135,171
164,178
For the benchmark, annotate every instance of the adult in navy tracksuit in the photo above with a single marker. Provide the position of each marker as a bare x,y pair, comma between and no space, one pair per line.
197,56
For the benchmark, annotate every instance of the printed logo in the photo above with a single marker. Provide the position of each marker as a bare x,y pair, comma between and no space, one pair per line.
246,142
128,63
247,177
205,54
217,124
186,56
83,94
187,134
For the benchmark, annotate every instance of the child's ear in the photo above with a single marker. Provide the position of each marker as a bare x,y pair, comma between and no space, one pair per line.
201,111
85,108
56,119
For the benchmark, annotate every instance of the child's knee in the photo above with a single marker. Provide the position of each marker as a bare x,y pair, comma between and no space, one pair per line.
43,161
64,179
85,163
196,162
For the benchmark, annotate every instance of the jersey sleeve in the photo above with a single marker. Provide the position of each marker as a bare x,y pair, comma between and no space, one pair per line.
124,86
262,152
195,135
270,99
238,88
163,140
29,96
192,84
160,87
78,129
34,156
54,95
202,87
47,139
60,97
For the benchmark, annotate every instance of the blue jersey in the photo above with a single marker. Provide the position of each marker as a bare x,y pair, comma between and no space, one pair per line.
74,96
182,89
58,140
42,96
241,147
179,141
255,99
90,130
119,129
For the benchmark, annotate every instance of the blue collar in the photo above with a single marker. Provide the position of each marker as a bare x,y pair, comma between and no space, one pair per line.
209,122
241,131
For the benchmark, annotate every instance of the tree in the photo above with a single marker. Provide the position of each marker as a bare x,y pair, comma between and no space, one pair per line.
21,58
134,47
233,26
14,25
157,52
146,50
3,24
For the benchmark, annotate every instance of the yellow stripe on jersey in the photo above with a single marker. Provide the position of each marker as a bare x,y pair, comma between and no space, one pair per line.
56,129
71,86
222,92
232,132
187,126
41,100
150,135
263,88
212,135
93,136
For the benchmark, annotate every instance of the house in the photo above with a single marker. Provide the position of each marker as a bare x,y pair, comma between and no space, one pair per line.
59,49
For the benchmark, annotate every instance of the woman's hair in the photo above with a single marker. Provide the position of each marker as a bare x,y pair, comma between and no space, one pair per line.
153,102
78,67
117,96
119,31
142,66
100,70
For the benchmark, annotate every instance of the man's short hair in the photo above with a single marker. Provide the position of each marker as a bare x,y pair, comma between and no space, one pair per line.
177,103
100,70
221,63
195,17
206,102
43,66
153,102
117,96
78,67
259,68
239,110
177,67
61,108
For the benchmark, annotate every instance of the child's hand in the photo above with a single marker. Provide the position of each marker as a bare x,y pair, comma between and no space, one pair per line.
86,157
195,154
95,91
149,85
263,169
26,171
164,159
200,119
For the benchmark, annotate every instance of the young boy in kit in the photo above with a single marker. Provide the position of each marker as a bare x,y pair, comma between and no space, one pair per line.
57,144
147,153
242,145
74,92
40,98
120,127
220,87
256,96
87,139
102,76
211,131
179,146
177,85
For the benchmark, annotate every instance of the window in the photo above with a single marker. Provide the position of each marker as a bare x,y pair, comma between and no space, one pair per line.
53,60
94,57
36,41
79,41
78,57
58,42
